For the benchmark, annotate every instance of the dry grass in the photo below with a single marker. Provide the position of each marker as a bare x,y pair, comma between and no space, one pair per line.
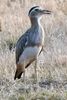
52,64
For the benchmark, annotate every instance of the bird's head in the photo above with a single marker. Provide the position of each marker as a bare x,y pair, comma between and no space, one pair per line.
37,12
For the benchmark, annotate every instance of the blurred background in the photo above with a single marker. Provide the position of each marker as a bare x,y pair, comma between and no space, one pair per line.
52,63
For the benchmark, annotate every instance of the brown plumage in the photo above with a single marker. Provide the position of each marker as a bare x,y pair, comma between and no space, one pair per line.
29,45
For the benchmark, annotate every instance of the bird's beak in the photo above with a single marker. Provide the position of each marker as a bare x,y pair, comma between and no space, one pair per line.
46,12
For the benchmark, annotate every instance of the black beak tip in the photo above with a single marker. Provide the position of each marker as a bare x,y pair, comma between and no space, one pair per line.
47,12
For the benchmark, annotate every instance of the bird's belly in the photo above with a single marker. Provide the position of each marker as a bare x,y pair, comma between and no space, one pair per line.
29,54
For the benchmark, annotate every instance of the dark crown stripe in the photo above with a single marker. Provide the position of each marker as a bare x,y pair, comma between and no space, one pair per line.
33,8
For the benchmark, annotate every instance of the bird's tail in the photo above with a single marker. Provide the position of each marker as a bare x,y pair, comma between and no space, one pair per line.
18,72
17,75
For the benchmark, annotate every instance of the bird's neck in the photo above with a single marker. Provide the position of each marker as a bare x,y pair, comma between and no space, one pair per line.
35,22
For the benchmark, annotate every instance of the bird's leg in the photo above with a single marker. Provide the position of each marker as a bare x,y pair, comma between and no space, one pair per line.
23,71
24,76
35,76
24,80
35,69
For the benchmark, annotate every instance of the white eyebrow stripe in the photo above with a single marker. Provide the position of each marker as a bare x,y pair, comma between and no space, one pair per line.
34,9
39,8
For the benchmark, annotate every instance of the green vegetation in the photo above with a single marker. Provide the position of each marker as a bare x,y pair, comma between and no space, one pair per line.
21,98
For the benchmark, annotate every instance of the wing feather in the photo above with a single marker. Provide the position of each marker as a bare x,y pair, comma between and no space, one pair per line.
20,46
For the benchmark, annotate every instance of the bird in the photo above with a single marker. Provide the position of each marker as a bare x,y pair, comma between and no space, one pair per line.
30,45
